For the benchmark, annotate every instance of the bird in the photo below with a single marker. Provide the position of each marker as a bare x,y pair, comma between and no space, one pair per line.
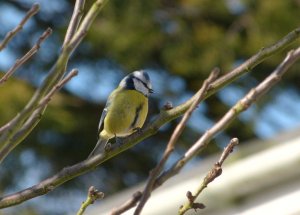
126,109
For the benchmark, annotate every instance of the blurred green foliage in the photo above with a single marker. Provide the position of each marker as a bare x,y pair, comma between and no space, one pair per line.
185,38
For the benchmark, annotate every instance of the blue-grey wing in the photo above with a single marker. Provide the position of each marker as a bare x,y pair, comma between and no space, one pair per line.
103,115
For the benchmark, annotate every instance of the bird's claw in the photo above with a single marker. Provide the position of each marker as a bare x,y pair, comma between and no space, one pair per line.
137,129
107,147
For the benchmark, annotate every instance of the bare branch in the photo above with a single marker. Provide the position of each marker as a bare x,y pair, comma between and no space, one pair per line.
55,74
47,98
215,172
127,205
227,150
27,56
93,195
75,20
70,172
4,127
240,106
86,24
170,147
37,114
57,87
33,10
254,61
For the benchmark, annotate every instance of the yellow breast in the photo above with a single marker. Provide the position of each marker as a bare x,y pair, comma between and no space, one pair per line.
128,110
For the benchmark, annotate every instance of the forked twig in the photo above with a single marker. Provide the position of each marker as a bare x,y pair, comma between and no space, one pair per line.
57,87
80,168
55,74
33,10
241,106
238,108
85,24
170,147
27,56
75,20
215,172
28,125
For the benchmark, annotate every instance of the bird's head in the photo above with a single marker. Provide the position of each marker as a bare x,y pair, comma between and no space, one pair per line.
138,80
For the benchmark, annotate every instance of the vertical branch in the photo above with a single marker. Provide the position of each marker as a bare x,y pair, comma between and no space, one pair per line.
33,10
71,172
170,147
54,76
80,168
86,23
215,172
75,20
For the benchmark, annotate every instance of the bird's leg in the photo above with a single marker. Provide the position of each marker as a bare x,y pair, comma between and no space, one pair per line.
107,146
138,130
118,141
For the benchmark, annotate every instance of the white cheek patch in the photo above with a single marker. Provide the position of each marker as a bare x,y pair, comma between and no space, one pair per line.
139,86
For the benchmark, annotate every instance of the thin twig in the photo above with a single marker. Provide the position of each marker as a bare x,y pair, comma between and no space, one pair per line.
80,168
75,20
165,116
227,150
93,195
240,106
54,76
85,24
57,87
33,10
28,126
4,127
215,172
256,59
170,147
127,205
27,56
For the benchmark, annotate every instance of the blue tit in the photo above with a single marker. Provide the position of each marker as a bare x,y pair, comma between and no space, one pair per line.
126,109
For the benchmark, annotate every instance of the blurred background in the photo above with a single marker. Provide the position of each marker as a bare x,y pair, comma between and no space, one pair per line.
177,43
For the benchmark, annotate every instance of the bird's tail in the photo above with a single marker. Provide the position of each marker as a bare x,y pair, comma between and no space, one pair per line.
99,148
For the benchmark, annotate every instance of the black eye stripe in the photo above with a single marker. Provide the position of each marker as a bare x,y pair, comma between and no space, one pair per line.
145,85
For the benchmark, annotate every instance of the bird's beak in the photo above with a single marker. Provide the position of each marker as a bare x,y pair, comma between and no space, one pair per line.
151,91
